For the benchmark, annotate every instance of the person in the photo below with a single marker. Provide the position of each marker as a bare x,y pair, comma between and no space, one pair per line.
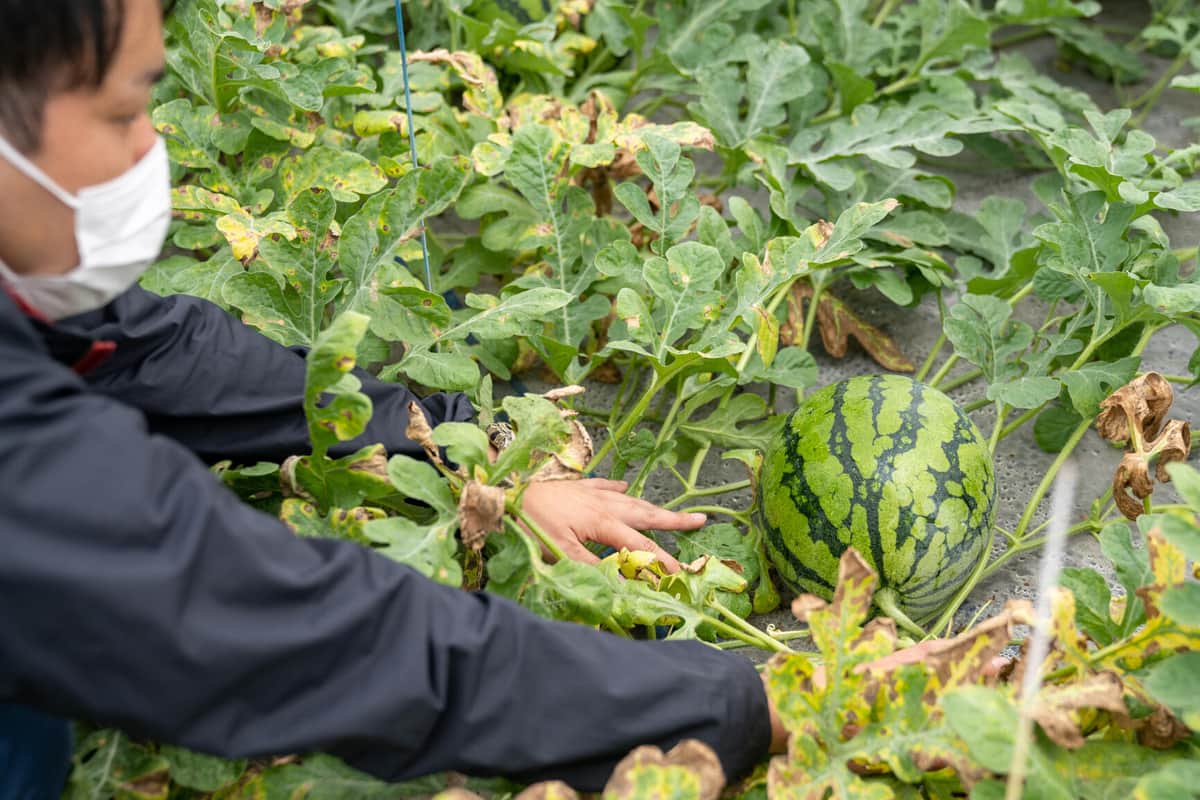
140,593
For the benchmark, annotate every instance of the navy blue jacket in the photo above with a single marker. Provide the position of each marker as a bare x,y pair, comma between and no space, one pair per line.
137,591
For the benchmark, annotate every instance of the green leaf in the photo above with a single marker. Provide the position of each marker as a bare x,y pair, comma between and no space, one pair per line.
345,416
1175,683
1096,380
204,773
501,318
743,422
884,135
1132,567
1054,427
429,549
1025,392
421,481
986,721
778,73
980,328
684,287
450,371
1092,601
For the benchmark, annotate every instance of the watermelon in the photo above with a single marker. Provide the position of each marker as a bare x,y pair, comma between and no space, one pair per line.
891,467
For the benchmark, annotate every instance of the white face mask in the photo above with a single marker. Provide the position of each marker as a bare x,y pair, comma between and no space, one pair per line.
120,227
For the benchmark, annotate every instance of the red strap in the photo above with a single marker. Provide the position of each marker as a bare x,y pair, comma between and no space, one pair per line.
96,355
27,309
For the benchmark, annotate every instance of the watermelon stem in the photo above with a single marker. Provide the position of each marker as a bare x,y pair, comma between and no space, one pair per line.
887,602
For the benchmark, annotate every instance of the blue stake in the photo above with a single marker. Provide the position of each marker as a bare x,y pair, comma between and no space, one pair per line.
412,138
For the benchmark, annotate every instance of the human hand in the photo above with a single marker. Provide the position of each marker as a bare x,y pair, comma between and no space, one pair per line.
573,513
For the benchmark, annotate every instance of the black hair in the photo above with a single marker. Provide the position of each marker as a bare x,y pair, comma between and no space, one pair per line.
48,46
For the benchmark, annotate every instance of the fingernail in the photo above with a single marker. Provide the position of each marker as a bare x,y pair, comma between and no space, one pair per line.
698,517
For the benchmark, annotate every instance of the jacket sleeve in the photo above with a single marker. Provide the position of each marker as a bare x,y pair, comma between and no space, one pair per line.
224,390
140,593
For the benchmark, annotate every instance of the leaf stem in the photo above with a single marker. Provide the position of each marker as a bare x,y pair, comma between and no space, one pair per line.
884,12
1019,421
1147,101
706,491
634,416
929,359
998,428
1048,478
966,377
748,629
887,602
536,529
940,375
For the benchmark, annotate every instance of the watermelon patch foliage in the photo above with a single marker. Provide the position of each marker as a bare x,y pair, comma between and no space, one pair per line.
670,202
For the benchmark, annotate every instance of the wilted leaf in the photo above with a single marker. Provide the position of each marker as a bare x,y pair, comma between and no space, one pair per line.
1055,705
1143,402
689,770
838,324
480,512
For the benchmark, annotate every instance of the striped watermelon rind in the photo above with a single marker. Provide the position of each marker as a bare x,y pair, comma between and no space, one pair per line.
891,467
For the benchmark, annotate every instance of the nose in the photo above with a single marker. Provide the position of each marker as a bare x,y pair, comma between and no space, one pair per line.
144,137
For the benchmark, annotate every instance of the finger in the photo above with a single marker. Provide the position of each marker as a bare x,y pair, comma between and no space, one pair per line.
644,515
605,484
996,667
577,552
618,535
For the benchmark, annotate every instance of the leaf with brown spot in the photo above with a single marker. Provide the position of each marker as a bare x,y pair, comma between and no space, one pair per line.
1056,706
967,659
805,604
480,512
689,770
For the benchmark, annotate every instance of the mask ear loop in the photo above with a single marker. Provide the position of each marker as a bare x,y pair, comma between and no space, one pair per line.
412,139
35,174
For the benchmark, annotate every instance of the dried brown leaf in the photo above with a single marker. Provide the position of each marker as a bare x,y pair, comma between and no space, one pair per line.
805,604
418,430
1133,474
570,462
792,331
838,324
480,512
690,754
1142,403
1162,730
563,392
288,485
1172,445
1056,705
